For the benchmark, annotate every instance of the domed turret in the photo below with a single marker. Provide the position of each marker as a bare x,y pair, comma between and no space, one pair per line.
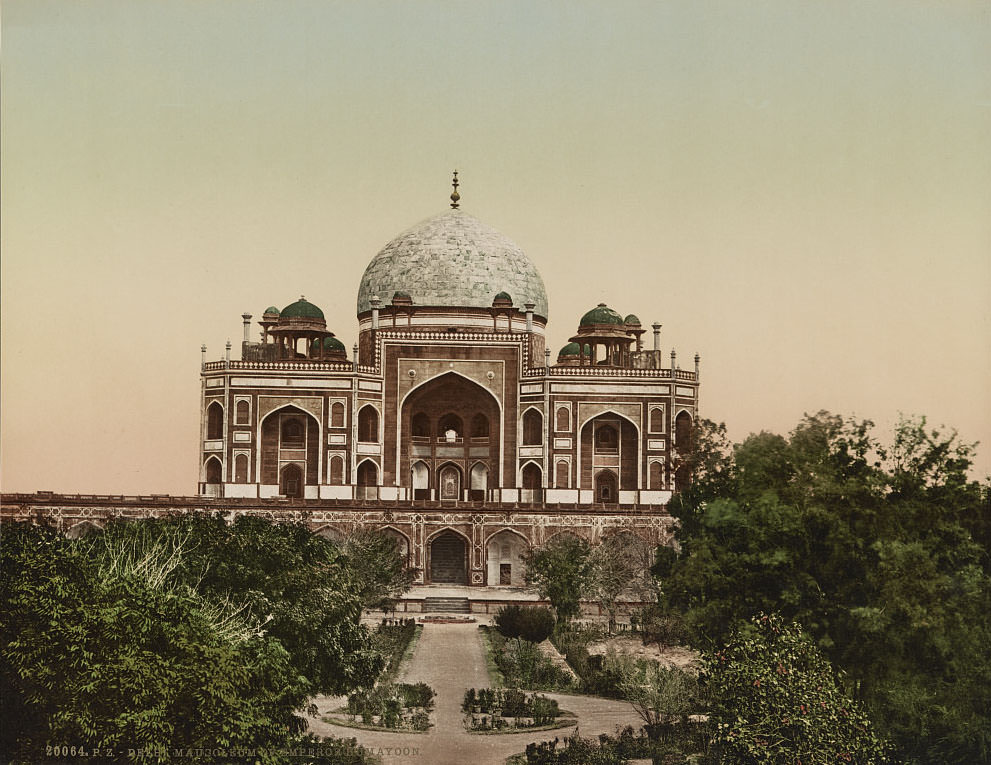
570,355
601,314
301,309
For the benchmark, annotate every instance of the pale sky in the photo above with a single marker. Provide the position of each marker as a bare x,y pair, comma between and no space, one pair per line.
798,191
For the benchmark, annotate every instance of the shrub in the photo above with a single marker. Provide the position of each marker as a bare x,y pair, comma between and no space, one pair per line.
533,623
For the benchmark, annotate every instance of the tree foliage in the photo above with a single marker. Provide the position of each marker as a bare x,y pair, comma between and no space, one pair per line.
374,562
179,633
879,551
533,623
776,700
562,571
118,657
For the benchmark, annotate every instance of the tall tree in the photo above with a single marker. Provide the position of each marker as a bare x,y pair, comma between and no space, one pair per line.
562,572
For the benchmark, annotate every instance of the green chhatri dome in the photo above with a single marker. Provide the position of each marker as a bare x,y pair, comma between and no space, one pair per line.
601,314
573,349
329,344
504,296
272,311
301,309
632,321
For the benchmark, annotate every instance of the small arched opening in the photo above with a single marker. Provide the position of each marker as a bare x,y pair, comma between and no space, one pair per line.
421,480
368,475
449,482
291,481
533,426
213,478
420,426
215,421
368,424
478,480
532,483
450,428
606,488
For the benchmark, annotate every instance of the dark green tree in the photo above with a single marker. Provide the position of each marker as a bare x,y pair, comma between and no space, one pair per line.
562,571
298,586
776,699
116,655
876,550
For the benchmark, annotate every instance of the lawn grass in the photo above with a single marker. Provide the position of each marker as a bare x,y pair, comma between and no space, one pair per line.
496,679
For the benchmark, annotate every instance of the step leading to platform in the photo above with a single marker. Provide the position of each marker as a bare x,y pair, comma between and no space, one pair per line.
447,605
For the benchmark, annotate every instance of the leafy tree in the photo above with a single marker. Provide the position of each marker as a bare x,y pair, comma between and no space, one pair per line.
775,699
562,572
118,655
375,564
298,585
532,623
880,552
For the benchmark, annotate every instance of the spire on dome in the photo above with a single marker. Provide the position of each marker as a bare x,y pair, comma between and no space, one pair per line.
455,196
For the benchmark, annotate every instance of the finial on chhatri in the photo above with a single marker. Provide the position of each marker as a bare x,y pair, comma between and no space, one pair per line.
455,196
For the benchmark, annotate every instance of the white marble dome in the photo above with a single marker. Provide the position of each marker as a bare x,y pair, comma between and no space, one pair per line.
452,260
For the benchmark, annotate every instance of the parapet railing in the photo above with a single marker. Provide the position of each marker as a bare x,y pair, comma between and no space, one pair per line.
9,502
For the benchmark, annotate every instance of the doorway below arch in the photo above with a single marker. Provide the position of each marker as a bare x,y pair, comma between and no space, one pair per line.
448,559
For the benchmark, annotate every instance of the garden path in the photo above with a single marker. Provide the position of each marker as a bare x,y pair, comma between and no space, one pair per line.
451,658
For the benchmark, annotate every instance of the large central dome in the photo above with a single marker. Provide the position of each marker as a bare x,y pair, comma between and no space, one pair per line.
452,260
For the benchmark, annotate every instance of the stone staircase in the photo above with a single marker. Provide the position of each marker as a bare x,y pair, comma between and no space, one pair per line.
447,605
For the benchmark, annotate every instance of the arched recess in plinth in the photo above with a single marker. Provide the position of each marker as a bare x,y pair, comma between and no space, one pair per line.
505,558
402,542
330,533
447,557
82,529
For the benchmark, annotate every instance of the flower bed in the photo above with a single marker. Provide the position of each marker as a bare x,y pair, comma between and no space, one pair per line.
402,706
497,709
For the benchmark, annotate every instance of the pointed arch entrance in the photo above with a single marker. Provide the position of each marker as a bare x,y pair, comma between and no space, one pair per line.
291,481
448,559
450,420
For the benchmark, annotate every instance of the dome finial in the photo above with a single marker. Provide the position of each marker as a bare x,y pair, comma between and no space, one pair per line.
455,196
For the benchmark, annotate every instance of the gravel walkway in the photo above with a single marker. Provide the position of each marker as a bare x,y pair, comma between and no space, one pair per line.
451,658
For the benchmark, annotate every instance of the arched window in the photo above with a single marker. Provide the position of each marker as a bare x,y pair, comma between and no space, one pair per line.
480,426
606,439
241,468
533,425
291,482
561,474
532,477
241,413
450,427
479,481
337,470
337,415
292,433
449,482
656,480
605,488
368,424
215,421
656,420
420,425
214,471
683,431
368,477
421,480
563,419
